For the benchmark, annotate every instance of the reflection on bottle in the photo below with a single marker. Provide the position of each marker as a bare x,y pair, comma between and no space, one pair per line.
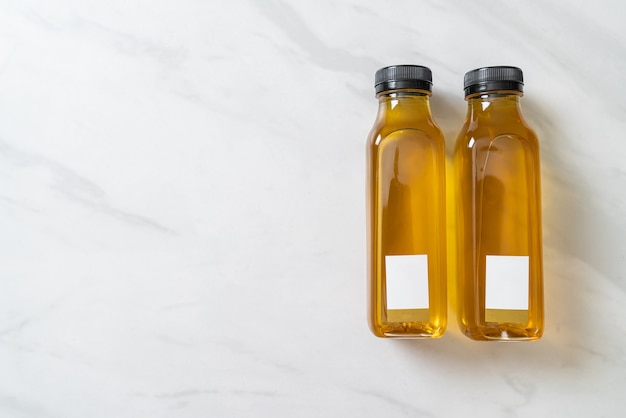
397,214
489,231
491,194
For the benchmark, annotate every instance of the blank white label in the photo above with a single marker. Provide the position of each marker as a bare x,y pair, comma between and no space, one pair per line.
506,282
407,281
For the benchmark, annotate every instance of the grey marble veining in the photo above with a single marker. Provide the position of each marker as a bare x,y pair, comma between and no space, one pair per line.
182,208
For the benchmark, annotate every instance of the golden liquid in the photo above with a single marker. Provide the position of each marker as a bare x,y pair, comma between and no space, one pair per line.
498,213
406,211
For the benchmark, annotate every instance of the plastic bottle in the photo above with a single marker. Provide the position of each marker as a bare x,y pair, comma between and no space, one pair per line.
500,277
406,209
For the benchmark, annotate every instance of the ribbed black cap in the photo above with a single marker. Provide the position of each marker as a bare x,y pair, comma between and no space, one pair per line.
403,77
493,78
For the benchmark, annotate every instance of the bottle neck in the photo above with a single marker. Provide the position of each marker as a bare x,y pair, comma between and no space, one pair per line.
500,107
401,104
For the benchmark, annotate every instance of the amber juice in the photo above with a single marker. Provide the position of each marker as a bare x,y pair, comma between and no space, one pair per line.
406,219
499,251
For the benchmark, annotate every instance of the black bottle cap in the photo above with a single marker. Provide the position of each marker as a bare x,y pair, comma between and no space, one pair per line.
403,77
493,78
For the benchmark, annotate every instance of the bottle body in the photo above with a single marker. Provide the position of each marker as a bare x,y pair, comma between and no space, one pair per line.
406,219
498,208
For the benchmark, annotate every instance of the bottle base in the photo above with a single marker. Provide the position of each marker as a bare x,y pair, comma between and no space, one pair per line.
502,333
409,330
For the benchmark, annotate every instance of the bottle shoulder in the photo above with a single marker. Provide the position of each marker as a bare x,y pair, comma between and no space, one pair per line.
383,129
474,132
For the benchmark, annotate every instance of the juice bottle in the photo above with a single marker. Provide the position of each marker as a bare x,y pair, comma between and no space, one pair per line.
498,207
406,209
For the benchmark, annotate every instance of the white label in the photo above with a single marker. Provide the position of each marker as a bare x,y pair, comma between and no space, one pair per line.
407,281
506,282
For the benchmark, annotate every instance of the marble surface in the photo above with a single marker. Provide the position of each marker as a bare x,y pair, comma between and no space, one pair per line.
182,208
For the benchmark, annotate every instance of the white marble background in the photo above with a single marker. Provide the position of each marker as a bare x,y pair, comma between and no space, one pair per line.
182,208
